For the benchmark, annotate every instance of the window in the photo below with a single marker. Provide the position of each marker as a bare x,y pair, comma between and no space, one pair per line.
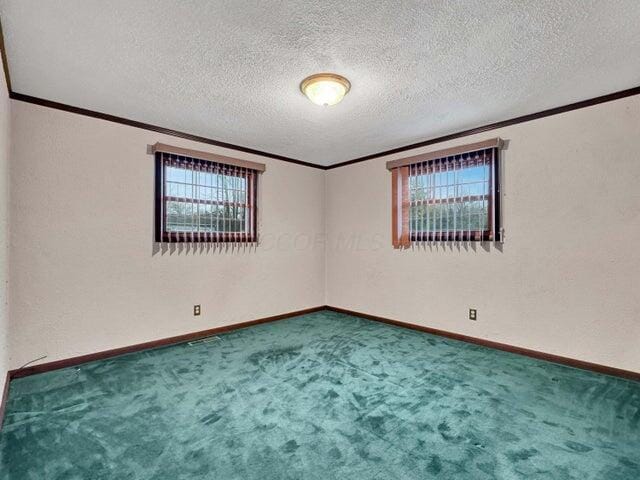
450,195
202,197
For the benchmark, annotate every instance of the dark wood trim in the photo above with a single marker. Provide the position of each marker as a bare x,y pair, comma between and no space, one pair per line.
161,201
70,362
465,133
493,126
5,397
5,66
154,128
253,209
158,197
495,219
549,357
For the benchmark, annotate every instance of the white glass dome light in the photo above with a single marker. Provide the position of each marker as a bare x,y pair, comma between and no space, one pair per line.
325,89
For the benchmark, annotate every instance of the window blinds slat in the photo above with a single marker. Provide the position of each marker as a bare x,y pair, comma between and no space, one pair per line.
493,194
248,210
253,211
429,183
243,199
440,197
209,181
161,203
217,194
423,193
449,166
194,195
184,216
233,194
166,160
249,219
456,179
236,207
412,199
225,209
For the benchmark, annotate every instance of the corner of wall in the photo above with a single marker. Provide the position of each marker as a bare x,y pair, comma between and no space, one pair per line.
326,235
5,137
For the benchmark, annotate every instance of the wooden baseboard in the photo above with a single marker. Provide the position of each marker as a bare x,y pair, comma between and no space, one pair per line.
69,362
549,357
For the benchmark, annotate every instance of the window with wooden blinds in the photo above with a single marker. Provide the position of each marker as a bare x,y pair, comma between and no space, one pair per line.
447,196
202,197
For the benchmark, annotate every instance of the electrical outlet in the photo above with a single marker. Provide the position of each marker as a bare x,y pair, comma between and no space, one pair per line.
196,310
473,314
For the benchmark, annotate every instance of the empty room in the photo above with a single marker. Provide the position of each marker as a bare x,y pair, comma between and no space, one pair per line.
317,240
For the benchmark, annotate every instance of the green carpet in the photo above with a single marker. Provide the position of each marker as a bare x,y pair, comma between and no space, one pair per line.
322,396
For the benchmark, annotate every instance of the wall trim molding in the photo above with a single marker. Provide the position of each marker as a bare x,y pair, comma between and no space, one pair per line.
493,126
209,141
154,128
162,342
132,123
549,357
196,138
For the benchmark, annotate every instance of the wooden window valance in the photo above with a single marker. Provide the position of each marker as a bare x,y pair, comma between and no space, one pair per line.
212,157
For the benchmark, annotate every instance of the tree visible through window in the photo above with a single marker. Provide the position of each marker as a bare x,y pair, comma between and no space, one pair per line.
453,197
204,201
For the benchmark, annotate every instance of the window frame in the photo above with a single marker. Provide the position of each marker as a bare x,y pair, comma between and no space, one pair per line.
161,199
401,232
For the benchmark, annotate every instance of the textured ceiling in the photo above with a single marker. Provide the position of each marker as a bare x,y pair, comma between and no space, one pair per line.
230,70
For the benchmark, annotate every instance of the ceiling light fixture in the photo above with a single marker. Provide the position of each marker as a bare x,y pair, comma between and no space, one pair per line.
325,88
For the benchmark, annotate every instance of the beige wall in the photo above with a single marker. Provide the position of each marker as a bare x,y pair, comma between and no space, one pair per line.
4,228
567,278
85,276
